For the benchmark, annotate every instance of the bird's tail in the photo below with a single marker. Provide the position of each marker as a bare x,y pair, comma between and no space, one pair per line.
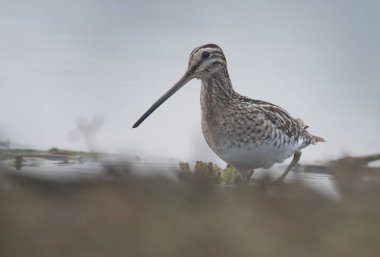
311,139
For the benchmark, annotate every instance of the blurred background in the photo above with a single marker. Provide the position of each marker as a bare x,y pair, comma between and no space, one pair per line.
61,61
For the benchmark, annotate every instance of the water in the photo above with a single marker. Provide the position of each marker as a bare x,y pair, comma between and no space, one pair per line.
54,171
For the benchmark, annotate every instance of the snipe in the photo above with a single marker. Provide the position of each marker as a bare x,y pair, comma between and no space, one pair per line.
244,132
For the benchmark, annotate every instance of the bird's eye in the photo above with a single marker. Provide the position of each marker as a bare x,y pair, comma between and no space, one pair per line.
205,54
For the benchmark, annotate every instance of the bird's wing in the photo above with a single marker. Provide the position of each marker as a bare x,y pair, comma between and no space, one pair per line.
280,118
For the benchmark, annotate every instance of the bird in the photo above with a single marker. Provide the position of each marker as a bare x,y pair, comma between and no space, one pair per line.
246,133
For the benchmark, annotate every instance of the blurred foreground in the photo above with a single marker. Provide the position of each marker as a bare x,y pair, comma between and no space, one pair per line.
128,215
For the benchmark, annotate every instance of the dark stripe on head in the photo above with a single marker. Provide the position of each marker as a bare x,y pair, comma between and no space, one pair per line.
212,46
219,54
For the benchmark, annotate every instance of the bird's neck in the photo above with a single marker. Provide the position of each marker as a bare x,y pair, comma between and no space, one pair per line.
217,98
218,87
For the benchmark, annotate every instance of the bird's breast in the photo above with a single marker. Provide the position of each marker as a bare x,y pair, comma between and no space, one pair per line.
240,134
245,139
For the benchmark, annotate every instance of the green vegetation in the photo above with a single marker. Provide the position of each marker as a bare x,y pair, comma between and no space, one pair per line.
209,173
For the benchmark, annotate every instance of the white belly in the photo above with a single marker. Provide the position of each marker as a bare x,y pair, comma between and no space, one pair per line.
248,157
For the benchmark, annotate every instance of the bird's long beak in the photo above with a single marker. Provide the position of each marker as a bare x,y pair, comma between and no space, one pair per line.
186,78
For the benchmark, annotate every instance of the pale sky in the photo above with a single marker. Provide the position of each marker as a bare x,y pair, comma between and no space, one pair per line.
61,61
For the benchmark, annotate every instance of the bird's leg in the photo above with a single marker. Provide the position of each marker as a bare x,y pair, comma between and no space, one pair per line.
246,175
249,175
296,158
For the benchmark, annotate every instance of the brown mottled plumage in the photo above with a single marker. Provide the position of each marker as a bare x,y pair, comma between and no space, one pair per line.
244,132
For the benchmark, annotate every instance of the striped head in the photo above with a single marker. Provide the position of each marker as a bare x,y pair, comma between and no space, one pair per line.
205,61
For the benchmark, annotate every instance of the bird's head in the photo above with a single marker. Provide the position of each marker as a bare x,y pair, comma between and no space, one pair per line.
204,62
